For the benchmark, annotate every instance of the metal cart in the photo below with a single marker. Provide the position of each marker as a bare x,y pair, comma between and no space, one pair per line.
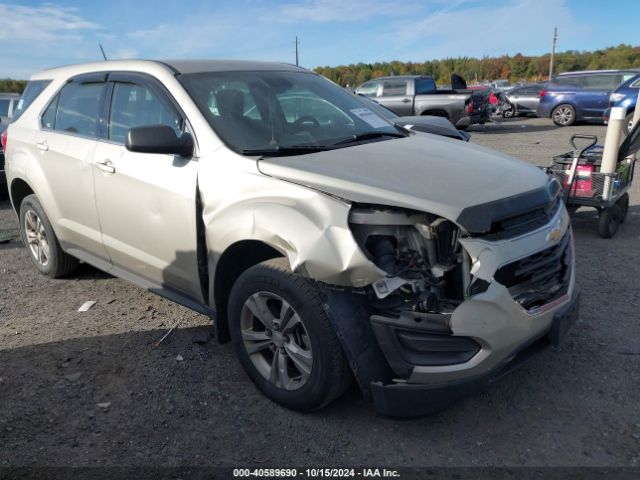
583,185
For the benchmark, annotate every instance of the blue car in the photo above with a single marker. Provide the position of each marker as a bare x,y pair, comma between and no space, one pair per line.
626,95
580,96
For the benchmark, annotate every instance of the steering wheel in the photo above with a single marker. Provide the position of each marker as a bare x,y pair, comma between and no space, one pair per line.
305,119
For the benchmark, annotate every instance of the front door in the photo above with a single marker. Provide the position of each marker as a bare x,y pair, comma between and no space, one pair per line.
147,202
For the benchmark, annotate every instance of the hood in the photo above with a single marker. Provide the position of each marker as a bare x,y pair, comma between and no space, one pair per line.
428,173
432,124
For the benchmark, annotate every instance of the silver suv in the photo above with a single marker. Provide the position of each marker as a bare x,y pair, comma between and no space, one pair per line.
325,242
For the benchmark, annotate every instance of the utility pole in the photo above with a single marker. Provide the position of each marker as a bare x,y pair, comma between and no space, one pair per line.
296,50
553,52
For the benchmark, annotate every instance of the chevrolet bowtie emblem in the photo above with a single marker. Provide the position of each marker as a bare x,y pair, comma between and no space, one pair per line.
554,234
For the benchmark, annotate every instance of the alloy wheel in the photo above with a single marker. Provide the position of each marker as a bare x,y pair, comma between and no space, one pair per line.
276,340
563,115
37,238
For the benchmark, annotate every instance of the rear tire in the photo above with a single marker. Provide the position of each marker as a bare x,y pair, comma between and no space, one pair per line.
623,204
41,241
296,359
564,115
609,221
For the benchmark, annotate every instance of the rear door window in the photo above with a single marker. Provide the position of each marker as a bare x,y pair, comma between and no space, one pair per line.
425,86
134,105
602,82
79,108
571,82
394,88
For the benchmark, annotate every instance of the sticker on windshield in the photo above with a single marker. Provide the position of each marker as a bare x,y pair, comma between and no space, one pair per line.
371,118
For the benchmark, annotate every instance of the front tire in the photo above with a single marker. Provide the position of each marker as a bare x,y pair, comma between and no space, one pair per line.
564,115
41,241
283,337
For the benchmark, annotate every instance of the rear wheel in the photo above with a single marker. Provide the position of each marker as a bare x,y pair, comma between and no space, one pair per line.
283,337
564,115
623,204
41,241
609,221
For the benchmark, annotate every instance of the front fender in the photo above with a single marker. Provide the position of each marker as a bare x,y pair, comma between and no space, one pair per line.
308,227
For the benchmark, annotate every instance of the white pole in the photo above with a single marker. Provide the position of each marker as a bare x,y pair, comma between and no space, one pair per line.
612,146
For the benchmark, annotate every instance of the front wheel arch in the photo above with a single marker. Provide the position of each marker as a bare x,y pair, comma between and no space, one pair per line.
234,261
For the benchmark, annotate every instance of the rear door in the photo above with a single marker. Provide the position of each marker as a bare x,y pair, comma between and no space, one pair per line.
65,144
397,96
147,202
593,99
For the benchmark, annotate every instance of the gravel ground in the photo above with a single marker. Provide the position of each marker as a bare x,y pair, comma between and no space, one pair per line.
94,389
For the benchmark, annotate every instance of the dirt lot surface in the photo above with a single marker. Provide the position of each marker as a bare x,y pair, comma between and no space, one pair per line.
93,389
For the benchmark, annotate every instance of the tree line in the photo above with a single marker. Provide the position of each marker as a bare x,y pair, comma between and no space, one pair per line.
514,68
12,86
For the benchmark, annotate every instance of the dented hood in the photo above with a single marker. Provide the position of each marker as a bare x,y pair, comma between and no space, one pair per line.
459,181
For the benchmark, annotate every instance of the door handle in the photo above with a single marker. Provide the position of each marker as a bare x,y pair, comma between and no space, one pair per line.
44,146
405,100
106,166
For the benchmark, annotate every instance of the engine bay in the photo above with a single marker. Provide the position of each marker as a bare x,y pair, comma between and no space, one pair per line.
427,270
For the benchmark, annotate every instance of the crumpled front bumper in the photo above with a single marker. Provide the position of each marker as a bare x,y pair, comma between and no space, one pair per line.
414,399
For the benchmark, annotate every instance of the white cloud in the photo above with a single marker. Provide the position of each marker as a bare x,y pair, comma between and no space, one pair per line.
45,23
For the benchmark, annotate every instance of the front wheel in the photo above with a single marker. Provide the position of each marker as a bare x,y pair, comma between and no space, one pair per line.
41,241
283,337
564,115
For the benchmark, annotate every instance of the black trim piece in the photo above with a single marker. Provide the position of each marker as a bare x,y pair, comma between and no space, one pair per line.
99,77
480,218
420,339
413,400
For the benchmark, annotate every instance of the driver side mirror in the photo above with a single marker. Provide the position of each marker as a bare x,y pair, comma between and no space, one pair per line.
159,139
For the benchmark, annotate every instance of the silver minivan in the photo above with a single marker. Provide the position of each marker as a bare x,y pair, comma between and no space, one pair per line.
325,242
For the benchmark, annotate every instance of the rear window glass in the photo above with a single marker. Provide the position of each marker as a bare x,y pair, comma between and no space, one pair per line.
31,92
78,108
425,85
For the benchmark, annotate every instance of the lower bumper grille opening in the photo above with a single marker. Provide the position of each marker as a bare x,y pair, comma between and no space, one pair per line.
539,278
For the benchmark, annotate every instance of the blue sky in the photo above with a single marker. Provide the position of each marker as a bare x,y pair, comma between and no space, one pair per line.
36,35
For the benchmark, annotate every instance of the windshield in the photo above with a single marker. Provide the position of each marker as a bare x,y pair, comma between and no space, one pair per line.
377,108
279,111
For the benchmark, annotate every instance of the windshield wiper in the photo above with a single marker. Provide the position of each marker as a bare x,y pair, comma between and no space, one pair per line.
284,151
367,135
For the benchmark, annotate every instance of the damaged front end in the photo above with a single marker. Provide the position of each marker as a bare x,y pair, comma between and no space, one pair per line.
454,310
427,277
